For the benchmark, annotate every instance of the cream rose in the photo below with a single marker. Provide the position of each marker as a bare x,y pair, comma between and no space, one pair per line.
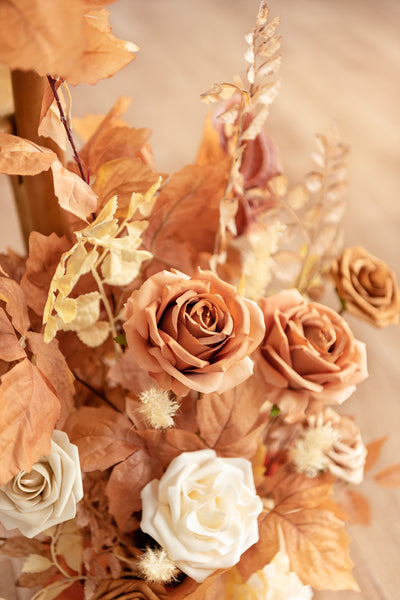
203,511
48,494
367,286
308,352
193,333
274,582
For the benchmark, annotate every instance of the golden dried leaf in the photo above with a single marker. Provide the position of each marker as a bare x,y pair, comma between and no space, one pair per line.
298,196
27,425
210,150
104,437
95,335
389,477
127,481
278,185
44,255
220,91
13,296
69,545
19,156
35,563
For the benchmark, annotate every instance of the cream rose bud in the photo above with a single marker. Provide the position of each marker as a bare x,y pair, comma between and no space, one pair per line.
48,494
203,511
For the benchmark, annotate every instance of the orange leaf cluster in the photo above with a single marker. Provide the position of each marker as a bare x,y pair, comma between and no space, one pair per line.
72,40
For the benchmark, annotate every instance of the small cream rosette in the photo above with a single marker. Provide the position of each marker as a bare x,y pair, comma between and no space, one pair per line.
48,494
203,511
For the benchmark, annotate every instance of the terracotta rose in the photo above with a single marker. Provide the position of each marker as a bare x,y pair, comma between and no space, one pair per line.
193,333
367,286
308,353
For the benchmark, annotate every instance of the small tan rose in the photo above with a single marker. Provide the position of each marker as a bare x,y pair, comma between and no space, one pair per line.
367,286
193,333
129,589
48,494
308,353
329,441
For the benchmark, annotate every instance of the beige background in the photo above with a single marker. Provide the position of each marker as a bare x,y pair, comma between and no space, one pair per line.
342,64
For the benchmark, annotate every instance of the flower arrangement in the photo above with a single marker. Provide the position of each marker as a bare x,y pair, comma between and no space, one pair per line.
171,361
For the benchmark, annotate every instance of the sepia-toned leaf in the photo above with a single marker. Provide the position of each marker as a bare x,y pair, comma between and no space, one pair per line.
104,437
96,334
35,563
23,157
74,194
127,481
69,545
27,425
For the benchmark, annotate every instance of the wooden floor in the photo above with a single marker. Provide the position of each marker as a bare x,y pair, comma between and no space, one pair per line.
341,64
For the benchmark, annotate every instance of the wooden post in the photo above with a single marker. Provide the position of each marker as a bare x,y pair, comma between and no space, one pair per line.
37,206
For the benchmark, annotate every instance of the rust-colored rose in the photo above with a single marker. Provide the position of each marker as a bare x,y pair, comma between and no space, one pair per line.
193,333
367,286
308,353
129,589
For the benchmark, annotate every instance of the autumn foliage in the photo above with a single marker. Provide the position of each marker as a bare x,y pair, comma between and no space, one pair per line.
151,317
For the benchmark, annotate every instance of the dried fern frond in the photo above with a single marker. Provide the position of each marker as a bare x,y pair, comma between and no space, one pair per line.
245,115
314,210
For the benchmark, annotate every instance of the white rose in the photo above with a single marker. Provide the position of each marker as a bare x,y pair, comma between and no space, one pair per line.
274,582
47,495
203,511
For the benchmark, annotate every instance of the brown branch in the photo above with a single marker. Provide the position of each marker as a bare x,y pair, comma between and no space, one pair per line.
52,83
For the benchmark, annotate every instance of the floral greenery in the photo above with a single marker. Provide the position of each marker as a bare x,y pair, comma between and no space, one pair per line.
178,317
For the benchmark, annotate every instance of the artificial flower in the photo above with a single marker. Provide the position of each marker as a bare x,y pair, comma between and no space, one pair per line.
330,441
203,511
274,582
367,286
193,333
48,494
308,352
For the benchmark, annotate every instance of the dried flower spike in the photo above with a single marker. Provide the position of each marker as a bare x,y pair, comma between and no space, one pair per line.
158,407
156,567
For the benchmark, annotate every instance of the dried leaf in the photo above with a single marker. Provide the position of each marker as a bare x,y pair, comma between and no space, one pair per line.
53,366
23,157
374,450
44,255
27,425
389,477
34,580
10,347
165,445
104,437
121,177
29,28
96,334
69,545
104,54
50,124
315,539
35,563
74,194
127,481
20,546
298,196
53,590
313,181
357,507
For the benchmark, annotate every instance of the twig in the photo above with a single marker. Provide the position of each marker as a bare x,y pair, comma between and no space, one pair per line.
67,128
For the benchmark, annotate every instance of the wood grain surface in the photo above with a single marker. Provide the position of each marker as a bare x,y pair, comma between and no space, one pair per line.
341,64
